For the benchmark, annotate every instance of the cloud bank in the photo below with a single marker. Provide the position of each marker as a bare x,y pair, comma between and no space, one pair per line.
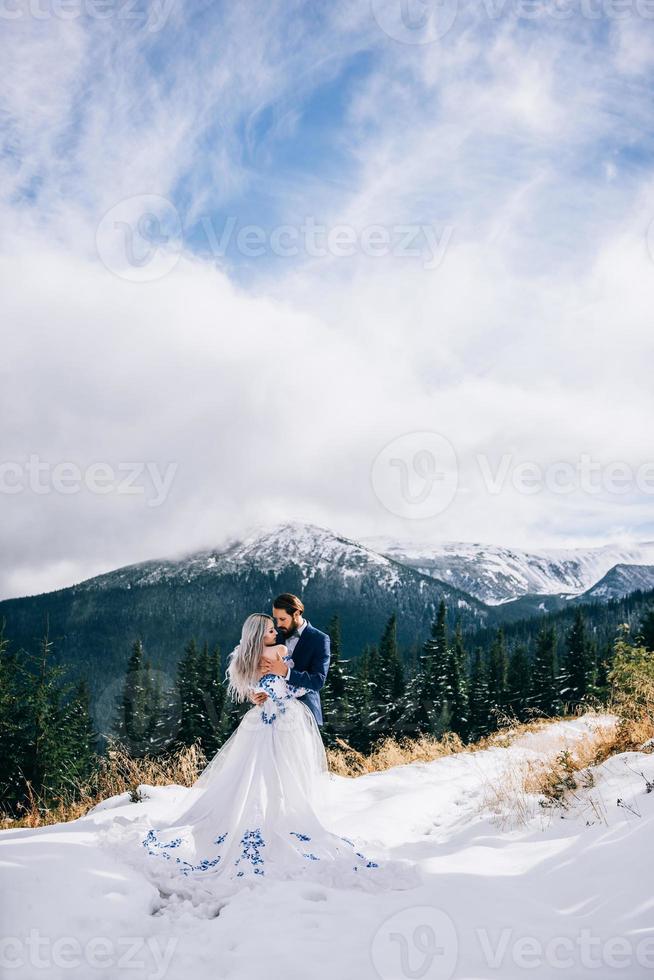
482,270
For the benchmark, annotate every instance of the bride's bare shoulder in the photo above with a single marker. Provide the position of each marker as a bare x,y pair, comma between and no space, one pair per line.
278,648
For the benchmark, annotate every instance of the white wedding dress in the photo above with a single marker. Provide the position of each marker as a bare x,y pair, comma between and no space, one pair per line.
256,812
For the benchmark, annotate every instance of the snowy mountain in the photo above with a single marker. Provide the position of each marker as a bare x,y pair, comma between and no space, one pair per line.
315,558
510,889
498,574
312,550
208,594
620,581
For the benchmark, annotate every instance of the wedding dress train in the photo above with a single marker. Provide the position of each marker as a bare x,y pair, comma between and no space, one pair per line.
256,812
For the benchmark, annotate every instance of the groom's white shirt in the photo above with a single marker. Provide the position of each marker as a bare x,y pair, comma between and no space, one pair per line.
292,643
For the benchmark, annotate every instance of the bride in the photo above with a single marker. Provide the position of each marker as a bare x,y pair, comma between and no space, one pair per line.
257,810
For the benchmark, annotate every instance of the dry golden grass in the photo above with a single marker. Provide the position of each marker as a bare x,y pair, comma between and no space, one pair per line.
120,773
347,761
117,773
558,780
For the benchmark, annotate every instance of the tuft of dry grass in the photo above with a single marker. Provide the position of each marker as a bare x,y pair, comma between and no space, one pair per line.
558,781
389,752
632,695
344,760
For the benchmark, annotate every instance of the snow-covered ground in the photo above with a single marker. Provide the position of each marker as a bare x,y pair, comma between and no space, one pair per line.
569,894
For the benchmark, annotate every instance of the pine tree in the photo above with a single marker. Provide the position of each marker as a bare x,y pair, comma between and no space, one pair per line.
434,658
161,720
46,758
480,723
646,630
435,684
134,723
189,690
518,683
364,698
81,735
59,749
390,679
578,674
334,696
47,739
497,674
204,702
543,694
216,693
458,683
604,664
14,728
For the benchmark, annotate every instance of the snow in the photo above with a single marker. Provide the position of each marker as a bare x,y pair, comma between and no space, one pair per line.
498,899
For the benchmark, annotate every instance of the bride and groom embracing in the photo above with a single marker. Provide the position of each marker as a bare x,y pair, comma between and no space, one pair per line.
261,806
292,649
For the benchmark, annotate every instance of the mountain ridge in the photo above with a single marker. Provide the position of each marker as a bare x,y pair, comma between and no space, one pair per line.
497,574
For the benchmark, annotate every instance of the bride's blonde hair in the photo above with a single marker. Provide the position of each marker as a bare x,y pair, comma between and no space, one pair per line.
243,668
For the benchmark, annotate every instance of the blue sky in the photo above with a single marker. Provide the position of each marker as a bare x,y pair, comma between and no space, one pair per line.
501,162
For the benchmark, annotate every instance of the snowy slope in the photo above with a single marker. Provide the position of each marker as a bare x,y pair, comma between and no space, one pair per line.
497,574
621,580
313,549
497,899
332,569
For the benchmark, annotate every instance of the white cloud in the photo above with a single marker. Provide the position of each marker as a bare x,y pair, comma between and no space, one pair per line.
273,397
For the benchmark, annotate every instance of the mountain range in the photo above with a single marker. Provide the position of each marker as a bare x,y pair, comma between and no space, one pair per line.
207,594
497,575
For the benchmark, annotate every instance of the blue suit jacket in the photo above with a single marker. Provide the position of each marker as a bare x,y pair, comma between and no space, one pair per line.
311,663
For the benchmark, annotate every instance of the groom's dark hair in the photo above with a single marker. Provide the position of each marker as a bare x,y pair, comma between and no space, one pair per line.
289,603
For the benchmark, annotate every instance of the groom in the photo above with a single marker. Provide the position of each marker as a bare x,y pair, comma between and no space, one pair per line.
309,648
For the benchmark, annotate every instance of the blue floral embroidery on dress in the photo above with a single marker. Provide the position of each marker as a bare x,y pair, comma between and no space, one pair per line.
305,838
369,864
252,842
278,693
150,841
186,867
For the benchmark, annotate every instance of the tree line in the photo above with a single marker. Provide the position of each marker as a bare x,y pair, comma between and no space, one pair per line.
48,743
